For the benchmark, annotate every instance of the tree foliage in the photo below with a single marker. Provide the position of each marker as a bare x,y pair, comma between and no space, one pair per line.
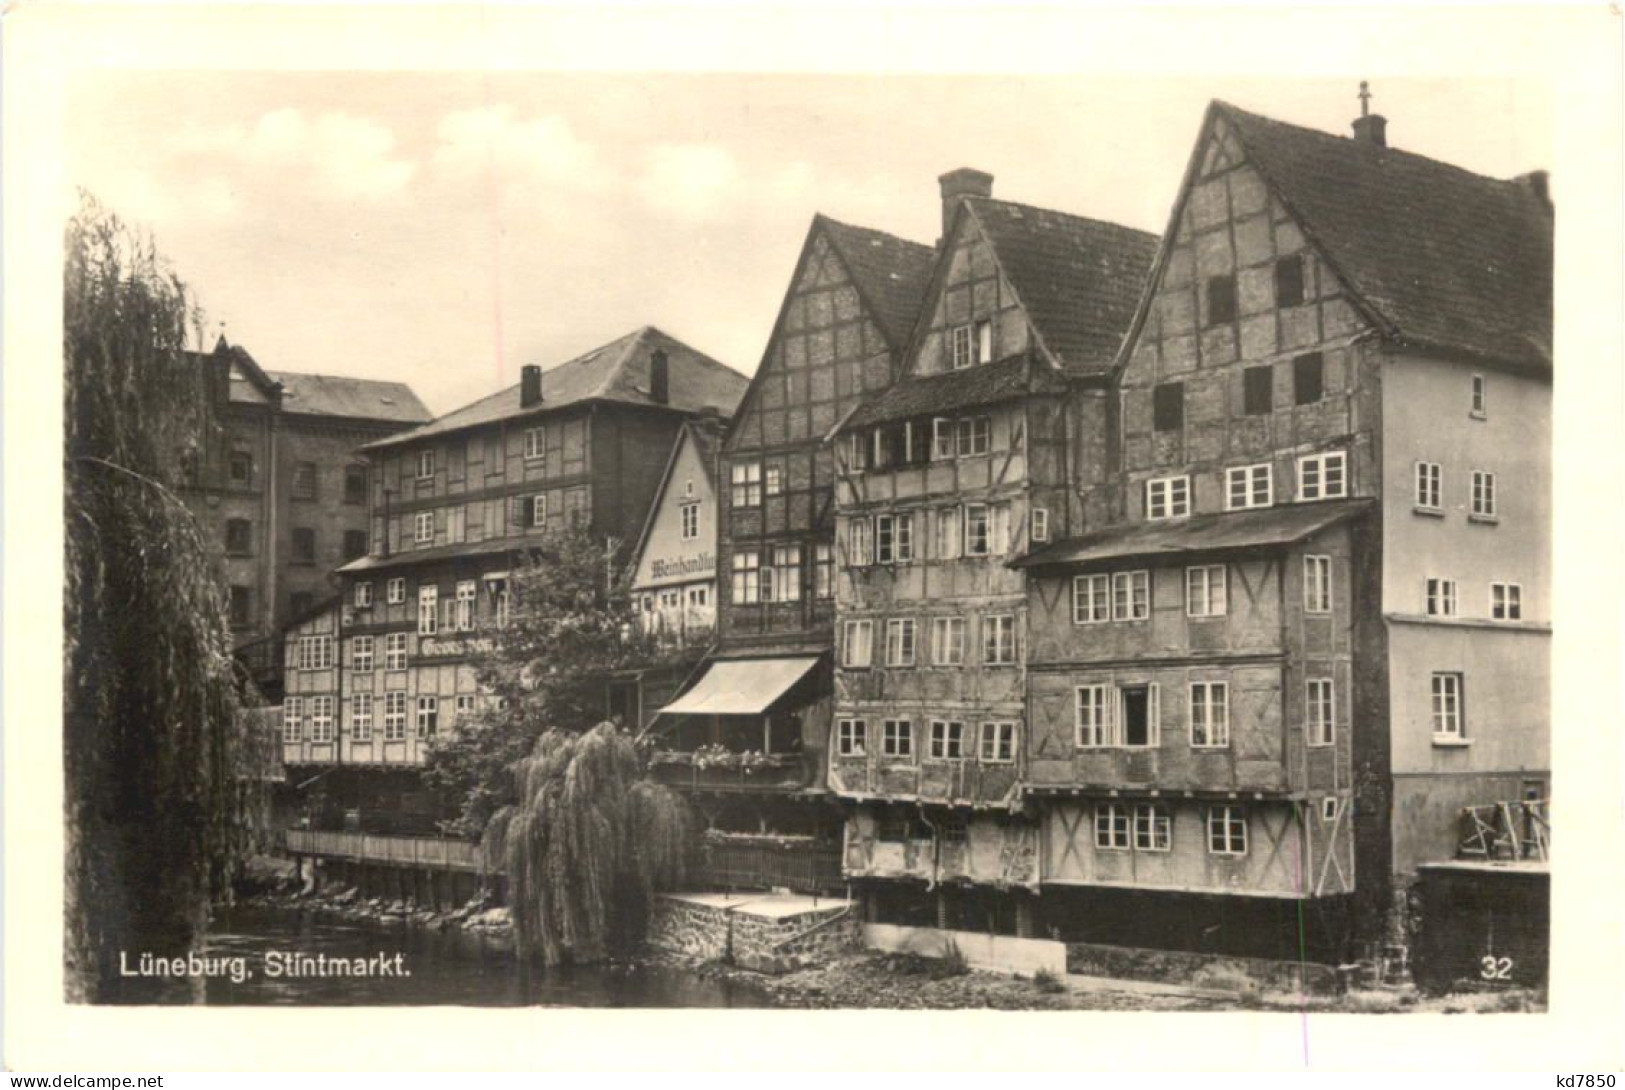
588,843
570,627
155,818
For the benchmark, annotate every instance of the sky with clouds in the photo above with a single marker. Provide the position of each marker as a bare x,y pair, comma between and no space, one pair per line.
442,229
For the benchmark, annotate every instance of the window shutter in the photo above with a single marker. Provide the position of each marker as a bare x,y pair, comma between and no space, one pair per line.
1153,711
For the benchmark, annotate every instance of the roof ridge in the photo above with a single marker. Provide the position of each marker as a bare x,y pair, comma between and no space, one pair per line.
871,230
1058,212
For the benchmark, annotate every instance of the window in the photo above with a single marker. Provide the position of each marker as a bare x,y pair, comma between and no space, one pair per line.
691,521
537,509
292,710
355,484
395,651
697,596
395,591
823,570
361,717
1167,497
947,641
303,484
428,610
1226,830
361,654
395,717
355,544
1441,597
1221,299
237,605
894,539
857,452
1447,718
425,465
950,531
1322,476
304,545
942,438
947,740
1478,397
774,481
1317,584
1483,494
239,537
240,468
900,641
976,529
973,435
1168,406
1308,378
423,528
999,640
851,737
998,743
464,615
1090,716
745,484
1138,712
1091,599
363,595
535,443
1320,708
1205,591
785,583
1429,478
917,442
498,589
1111,827
1289,281
1506,602
1249,486
897,738
860,542
984,341
1131,596
315,652
1153,828
1258,390
1210,714
321,719
1040,531
858,649
960,347
463,706
428,721
747,587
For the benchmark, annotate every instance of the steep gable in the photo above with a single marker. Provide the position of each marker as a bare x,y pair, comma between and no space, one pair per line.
662,554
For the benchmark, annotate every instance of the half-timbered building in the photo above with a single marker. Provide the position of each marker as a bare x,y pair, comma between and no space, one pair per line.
1304,623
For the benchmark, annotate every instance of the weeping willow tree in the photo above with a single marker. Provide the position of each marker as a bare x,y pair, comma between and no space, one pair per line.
587,845
155,815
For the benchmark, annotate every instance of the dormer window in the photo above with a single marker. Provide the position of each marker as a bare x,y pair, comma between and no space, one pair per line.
961,345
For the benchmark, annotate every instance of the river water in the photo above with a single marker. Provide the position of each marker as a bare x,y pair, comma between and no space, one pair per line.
450,967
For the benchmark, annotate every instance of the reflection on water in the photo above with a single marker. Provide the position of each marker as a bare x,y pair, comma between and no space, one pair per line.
446,968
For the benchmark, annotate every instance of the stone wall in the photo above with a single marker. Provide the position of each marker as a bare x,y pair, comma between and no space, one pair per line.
1202,970
762,942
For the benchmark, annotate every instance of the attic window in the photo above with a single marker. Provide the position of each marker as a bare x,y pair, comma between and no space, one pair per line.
1289,281
960,347
387,400
1221,299
1168,406
1308,378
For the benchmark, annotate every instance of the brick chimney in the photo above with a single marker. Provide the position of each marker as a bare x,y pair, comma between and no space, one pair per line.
956,184
530,385
1370,128
659,378
1538,182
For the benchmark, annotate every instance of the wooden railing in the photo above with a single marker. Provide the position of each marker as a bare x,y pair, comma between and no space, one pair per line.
805,869
782,772
1506,830
428,852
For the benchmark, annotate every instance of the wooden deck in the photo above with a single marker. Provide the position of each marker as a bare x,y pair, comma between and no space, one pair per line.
425,852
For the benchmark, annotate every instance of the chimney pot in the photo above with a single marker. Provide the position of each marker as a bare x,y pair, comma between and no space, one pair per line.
530,385
958,184
1371,129
659,378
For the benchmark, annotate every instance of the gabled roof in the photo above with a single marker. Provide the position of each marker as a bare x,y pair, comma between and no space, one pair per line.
616,372
1181,539
889,272
1078,279
706,439
1437,257
985,384
333,395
